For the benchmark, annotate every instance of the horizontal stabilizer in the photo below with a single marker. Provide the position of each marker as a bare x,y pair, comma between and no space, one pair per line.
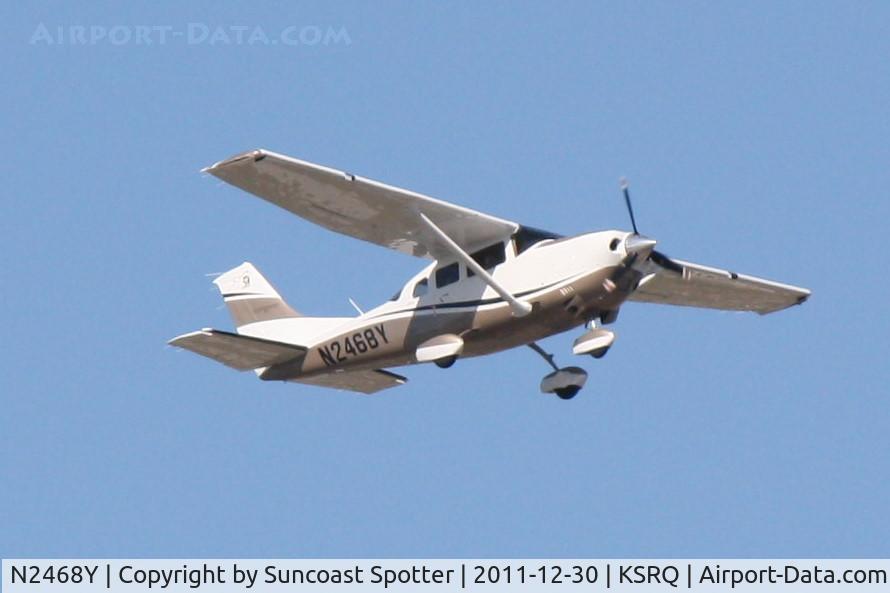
239,352
370,381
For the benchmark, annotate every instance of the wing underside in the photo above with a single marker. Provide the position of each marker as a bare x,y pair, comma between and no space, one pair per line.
359,207
369,381
713,288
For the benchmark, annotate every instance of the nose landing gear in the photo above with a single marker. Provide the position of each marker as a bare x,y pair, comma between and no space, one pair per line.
564,382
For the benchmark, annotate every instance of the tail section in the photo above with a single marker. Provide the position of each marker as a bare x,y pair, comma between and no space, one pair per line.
250,297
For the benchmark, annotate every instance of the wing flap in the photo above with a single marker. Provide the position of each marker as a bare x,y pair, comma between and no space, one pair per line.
239,352
359,207
713,288
369,381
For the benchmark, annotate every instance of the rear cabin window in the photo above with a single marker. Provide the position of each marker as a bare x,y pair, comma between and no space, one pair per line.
489,257
447,275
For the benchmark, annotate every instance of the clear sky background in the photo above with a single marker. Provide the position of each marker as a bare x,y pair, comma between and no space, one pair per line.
755,136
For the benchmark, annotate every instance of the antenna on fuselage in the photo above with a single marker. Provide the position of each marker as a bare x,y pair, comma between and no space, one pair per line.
355,306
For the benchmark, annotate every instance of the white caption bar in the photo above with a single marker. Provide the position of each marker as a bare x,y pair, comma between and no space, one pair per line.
271,576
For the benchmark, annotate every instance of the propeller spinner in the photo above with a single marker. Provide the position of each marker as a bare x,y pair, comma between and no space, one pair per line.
638,244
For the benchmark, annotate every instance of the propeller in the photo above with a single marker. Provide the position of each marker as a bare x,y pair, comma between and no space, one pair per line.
638,242
630,209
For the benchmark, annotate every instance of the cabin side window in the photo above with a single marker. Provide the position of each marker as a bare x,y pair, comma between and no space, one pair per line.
489,257
447,275
421,288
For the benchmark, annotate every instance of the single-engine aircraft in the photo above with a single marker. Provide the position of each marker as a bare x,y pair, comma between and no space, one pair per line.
493,284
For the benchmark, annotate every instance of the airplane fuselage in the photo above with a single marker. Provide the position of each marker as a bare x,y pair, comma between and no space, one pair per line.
567,281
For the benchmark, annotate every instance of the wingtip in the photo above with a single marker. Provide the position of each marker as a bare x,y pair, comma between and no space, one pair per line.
256,155
179,338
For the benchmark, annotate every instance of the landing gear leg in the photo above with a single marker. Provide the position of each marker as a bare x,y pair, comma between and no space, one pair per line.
564,382
544,354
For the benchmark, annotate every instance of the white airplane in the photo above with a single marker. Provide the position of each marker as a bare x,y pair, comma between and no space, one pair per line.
493,284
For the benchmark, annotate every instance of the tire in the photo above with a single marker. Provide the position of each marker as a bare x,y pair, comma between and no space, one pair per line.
444,363
567,392
599,353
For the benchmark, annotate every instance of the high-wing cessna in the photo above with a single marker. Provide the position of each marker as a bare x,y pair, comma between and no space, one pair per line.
493,284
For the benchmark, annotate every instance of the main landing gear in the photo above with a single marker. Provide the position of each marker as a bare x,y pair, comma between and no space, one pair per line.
596,342
565,382
444,363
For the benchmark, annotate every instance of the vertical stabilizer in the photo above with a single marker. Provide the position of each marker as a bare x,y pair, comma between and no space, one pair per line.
250,297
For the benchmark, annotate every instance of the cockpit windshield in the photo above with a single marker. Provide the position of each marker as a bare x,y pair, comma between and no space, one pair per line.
527,236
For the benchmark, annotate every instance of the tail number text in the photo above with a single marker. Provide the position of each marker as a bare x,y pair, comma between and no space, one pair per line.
351,346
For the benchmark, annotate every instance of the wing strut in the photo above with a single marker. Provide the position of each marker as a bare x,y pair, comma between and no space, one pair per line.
518,308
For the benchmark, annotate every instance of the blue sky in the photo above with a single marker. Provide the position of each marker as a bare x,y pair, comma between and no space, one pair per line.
755,136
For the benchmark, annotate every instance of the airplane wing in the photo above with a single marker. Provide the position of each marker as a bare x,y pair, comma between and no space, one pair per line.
701,286
360,207
237,351
370,381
